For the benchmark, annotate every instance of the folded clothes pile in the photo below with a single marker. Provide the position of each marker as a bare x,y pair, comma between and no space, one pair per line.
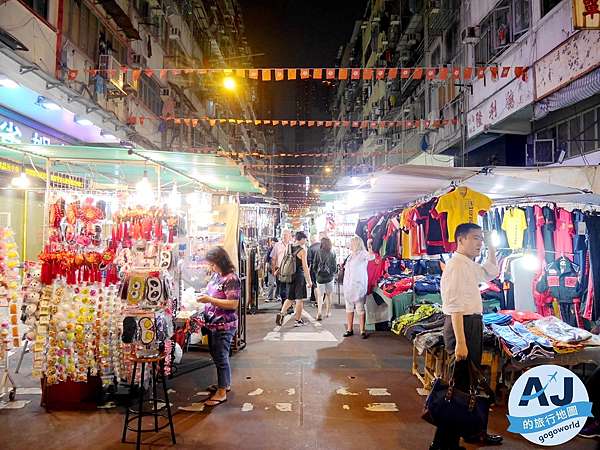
521,316
427,340
423,312
428,284
497,318
560,331
394,285
434,322
521,344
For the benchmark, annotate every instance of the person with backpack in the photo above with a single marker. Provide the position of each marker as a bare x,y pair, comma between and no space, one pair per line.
325,268
295,275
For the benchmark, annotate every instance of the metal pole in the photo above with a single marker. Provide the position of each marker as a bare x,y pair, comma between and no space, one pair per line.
158,182
25,221
46,202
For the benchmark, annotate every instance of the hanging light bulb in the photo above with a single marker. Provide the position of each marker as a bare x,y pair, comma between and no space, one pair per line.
495,238
144,192
21,181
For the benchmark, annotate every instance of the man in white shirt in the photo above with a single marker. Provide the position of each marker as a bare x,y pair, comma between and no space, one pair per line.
277,255
463,306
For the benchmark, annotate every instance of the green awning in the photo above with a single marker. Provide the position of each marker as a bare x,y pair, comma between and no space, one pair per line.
115,163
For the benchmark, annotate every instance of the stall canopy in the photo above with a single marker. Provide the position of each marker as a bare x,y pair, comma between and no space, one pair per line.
106,165
407,183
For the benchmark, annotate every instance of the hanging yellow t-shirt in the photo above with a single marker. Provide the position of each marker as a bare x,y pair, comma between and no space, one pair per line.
462,205
515,224
404,218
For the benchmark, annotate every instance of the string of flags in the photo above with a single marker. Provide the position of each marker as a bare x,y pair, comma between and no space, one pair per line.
371,124
343,73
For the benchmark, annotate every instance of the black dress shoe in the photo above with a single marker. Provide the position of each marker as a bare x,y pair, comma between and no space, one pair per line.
488,439
348,333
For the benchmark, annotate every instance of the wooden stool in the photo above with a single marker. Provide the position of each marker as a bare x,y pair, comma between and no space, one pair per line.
158,370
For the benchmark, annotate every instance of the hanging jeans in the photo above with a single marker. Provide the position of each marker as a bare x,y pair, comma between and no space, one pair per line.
219,342
593,228
446,438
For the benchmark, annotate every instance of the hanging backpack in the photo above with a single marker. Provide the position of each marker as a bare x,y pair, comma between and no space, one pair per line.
287,270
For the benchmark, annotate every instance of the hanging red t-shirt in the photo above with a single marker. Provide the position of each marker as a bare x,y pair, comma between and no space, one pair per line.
563,235
375,270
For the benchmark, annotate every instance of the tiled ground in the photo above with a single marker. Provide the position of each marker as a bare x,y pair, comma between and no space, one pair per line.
300,377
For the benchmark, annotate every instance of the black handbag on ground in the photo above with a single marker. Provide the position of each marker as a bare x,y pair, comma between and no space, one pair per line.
451,408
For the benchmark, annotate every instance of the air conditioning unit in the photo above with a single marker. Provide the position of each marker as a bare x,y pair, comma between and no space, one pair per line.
435,6
411,39
470,35
110,68
165,92
380,141
139,61
395,20
174,33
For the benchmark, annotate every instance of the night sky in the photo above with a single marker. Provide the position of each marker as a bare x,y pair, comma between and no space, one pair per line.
295,33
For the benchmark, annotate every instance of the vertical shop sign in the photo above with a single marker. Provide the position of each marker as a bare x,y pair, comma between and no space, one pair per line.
586,14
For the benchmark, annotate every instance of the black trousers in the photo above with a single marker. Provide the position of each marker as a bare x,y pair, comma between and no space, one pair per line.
593,228
448,439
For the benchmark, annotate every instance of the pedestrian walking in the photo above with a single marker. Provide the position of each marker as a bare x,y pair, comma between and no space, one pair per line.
325,269
463,328
277,254
295,275
355,284
312,252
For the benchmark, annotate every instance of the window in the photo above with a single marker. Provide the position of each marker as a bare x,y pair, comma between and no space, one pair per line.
504,25
575,136
39,6
548,5
589,131
149,92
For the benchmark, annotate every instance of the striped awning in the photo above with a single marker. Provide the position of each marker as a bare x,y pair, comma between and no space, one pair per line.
576,91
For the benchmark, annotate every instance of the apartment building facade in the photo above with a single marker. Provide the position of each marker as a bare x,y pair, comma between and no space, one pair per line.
547,116
64,58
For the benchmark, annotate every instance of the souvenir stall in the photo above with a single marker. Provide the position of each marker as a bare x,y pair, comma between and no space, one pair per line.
108,282
541,308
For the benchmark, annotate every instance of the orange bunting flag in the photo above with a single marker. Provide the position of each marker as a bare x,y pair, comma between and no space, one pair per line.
311,123
223,120
225,71
330,74
367,74
293,123
343,74
468,73
212,122
187,122
249,121
355,124
176,71
72,75
304,73
356,74
266,122
430,74
189,71
346,123
317,74
481,72
257,122
266,74
275,122
382,124
418,73
328,123
291,74
240,73
426,123
443,73
177,121
135,74
505,72
240,121
163,73
142,118
194,123
525,73
364,124
231,120
405,73
93,72
319,123
336,123
392,73
380,74
149,72
285,123
456,72
124,69
279,74
302,123
202,71
131,120
253,74
374,125
417,123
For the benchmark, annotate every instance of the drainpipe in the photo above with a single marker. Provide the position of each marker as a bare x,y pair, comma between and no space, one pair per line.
59,26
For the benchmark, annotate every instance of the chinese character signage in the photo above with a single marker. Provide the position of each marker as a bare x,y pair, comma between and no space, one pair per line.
573,59
508,100
12,132
586,14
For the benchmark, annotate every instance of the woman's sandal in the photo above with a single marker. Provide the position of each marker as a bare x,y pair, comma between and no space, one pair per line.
214,388
215,402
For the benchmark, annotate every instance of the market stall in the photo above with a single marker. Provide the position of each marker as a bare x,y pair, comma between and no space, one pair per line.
543,224
116,254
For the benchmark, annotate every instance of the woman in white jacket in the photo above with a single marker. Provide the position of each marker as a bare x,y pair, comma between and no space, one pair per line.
355,284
